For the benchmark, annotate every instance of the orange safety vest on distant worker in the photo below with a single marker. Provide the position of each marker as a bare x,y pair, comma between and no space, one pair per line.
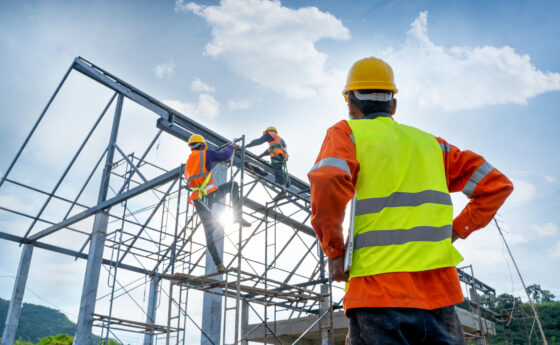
199,179
276,149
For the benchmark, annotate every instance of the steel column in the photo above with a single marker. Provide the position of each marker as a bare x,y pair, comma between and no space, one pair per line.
14,310
99,232
151,314
212,304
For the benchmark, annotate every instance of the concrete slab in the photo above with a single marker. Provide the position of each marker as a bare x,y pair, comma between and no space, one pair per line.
289,330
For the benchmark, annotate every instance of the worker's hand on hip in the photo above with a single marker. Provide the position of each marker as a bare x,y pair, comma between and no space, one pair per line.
336,269
454,236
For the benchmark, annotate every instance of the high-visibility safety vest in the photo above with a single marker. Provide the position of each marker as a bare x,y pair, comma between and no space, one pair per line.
403,213
199,179
276,149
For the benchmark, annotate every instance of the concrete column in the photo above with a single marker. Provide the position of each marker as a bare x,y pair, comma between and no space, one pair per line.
325,323
97,243
244,320
14,310
212,304
151,314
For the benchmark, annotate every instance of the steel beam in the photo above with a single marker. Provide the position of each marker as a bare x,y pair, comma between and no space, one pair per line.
279,217
158,181
65,251
69,166
14,310
35,125
172,121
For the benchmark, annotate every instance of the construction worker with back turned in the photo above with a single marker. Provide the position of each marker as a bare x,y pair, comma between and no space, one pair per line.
198,172
402,280
278,156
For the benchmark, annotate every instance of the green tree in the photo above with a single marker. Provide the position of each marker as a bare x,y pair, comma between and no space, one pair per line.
60,339
110,342
538,295
503,301
21,342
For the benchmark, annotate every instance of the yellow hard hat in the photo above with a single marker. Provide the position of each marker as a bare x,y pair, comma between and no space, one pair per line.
197,138
370,74
271,128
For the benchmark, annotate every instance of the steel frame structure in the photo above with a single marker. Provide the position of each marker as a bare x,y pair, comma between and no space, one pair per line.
169,256
275,268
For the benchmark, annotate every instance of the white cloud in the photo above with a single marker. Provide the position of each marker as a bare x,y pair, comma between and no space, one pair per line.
515,238
548,229
165,70
555,252
270,44
463,77
198,85
207,106
16,203
236,105
523,193
549,179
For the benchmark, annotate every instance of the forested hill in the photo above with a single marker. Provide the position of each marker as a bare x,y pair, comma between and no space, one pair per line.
37,322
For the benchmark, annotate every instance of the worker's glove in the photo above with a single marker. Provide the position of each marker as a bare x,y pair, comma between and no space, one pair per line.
336,269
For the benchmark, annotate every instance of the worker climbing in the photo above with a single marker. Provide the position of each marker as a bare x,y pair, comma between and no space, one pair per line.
278,156
402,280
198,172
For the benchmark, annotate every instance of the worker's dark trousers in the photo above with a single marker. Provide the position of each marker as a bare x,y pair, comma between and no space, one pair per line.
279,174
210,224
405,326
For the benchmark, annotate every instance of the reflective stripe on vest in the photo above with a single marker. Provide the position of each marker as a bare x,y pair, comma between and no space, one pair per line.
275,147
445,147
199,179
403,215
374,205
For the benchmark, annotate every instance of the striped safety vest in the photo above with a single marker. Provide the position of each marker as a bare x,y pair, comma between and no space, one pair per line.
276,149
199,179
403,213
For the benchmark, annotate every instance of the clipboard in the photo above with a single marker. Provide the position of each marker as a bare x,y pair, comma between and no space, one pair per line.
350,242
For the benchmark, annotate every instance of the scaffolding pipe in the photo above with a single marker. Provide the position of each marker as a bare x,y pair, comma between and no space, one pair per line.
524,287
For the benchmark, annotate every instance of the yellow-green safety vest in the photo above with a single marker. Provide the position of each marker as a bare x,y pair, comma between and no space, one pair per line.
403,213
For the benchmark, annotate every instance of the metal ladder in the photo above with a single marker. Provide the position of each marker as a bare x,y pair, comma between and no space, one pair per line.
176,315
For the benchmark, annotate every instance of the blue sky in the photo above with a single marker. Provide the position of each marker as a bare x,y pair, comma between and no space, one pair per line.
482,75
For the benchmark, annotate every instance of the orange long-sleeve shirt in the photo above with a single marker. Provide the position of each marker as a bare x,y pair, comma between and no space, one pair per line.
332,188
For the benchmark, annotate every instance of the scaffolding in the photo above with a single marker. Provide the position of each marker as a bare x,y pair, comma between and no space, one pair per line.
160,239
140,233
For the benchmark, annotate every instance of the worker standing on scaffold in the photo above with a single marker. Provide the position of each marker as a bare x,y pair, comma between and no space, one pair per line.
278,156
204,193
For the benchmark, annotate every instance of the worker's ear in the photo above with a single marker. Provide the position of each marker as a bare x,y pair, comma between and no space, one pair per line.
353,112
394,107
